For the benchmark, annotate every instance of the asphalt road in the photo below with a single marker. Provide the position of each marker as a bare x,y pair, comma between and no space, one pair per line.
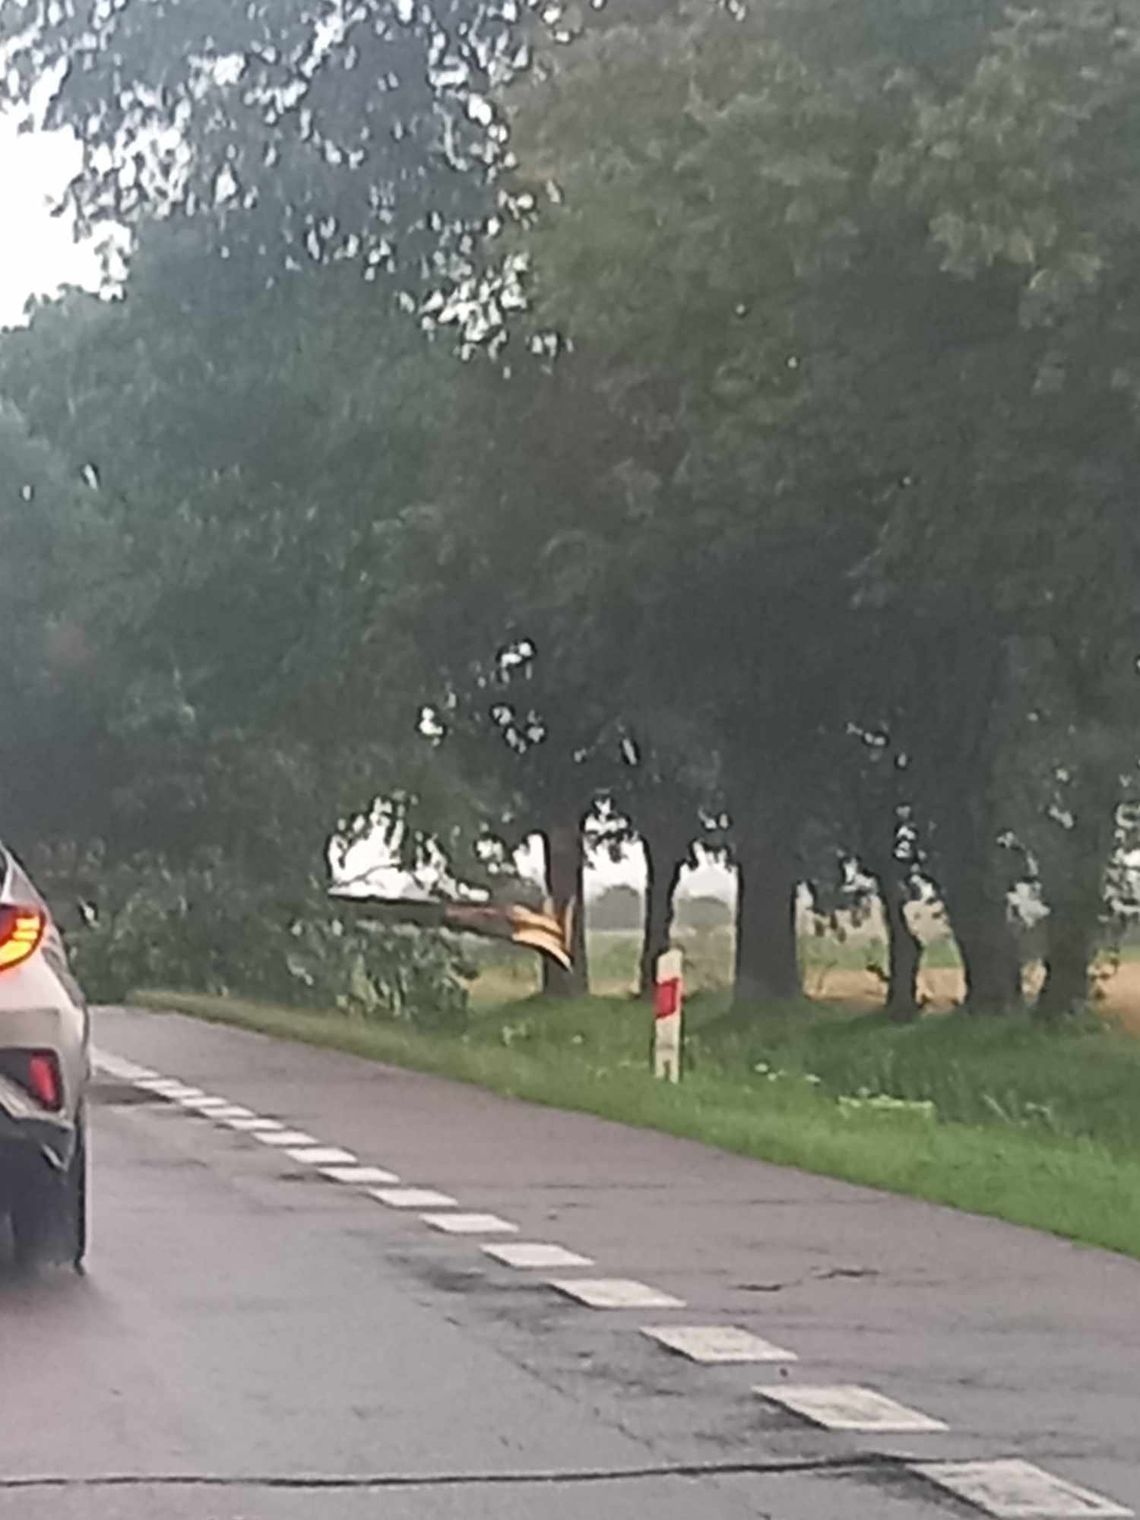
256,1340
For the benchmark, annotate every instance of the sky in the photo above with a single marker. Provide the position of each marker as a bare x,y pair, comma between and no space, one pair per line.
38,252
602,872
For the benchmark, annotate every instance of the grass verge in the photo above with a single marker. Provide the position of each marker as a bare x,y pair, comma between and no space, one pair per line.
997,1117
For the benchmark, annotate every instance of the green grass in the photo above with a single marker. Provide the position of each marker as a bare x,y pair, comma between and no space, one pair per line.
1040,1128
1077,1082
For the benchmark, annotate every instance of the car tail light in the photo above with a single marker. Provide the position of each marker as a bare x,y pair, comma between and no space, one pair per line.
43,1079
21,930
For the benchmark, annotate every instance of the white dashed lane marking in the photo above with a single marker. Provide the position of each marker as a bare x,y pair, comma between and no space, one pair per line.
717,1343
284,1137
122,1071
162,1087
524,1254
231,1111
470,1224
255,1126
615,1293
849,1407
322,1155
206,1105
413,1198
1016,1490
362,1176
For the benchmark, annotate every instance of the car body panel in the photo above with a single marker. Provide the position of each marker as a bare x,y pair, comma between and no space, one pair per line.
41,1008
25,1125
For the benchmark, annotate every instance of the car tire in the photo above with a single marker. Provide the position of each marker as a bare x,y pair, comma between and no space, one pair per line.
76,1223
49,1217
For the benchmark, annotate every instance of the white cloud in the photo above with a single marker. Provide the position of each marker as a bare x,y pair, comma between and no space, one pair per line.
38,251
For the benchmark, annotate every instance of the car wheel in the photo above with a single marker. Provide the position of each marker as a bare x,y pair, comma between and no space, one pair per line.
79,1210
76,1222
49,1217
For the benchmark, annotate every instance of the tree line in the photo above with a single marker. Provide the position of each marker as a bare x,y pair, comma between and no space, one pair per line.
695,423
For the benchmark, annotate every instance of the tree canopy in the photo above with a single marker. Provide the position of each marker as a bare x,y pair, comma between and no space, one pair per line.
713,423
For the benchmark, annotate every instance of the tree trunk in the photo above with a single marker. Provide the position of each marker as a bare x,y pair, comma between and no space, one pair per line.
971,868
1074,891
1070,945
906,953
979,918
664,861
766,965
904,949
564,857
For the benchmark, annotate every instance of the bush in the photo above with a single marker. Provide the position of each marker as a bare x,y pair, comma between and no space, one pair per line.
208,929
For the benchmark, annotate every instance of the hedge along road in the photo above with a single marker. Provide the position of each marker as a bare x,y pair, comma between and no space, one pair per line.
268,1331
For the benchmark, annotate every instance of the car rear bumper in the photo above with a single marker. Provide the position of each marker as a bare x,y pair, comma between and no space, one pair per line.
26,1129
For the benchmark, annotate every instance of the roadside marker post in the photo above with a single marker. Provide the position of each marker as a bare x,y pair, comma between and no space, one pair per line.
668,997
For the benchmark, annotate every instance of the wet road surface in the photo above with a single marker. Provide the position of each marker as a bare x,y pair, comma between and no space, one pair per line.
255,1339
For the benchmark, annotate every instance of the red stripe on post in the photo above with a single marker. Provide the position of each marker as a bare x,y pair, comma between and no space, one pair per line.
667,998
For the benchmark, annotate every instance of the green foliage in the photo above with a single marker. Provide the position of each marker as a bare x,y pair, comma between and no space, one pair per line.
206,928
255,445
783,496
296,134
880,298
1079,1083
55,757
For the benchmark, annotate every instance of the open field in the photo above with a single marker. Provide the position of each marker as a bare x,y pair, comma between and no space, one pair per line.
1117,1000
833,972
